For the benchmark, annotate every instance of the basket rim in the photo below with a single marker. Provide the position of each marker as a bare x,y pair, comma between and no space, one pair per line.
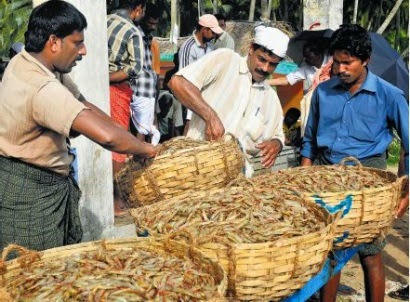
13,266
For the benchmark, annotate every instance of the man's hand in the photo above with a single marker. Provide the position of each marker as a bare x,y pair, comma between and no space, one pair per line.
404,202
403,206
214,129
269,151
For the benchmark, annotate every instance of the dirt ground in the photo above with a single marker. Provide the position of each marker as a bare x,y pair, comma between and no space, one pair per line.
396,260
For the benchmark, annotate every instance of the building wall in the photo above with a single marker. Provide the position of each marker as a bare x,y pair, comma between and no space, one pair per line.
328,12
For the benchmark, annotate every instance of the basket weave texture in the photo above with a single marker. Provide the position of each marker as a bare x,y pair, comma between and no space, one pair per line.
185,164
266,271
10,269
370,213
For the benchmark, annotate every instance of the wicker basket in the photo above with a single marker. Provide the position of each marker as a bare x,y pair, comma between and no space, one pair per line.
369,213
267,271
201,166
10,269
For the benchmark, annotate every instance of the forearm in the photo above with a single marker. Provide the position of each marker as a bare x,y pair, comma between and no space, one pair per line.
118,76
281,81
110,136
190,96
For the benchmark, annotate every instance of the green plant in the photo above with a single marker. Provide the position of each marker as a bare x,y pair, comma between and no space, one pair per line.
394,152
14,15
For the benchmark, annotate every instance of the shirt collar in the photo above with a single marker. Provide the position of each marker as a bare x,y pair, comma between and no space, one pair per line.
33,60
369,84
197,41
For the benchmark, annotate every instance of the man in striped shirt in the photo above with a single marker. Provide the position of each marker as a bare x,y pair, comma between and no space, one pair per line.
125,55
198,45
228,93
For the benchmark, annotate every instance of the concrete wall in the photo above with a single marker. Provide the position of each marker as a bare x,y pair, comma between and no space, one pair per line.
328,12
94,162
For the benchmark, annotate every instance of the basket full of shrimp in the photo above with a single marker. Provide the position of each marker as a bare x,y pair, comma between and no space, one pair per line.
368,197
131,269
182,164
269,243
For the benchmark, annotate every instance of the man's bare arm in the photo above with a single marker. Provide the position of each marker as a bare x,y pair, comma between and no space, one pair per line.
110,136
190,96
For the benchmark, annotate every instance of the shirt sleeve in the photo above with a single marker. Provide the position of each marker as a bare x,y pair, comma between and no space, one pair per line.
309,145
199,72
55,107
297,75
71,86
135,48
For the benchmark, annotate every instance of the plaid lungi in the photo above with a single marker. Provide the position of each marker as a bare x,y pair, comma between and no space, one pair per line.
38,208
120,99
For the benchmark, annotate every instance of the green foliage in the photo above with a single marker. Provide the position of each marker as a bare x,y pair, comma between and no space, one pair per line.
14,15
394,152
371,14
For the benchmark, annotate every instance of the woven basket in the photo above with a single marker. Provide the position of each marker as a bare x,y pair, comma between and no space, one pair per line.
193,165
10,269
369,213
267,271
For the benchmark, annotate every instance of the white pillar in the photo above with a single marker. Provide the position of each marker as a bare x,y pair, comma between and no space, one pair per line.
328,12
94,162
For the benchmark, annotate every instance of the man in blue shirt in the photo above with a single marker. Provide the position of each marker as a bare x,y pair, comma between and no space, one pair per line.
353,114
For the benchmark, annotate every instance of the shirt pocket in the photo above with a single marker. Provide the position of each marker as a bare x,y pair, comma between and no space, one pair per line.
254,127
365,127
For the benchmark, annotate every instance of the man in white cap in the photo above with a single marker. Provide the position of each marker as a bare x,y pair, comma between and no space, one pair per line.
228,92
198,45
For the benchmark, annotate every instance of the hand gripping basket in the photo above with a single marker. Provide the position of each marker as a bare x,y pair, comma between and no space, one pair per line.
368,213
268,271
124,283
185,164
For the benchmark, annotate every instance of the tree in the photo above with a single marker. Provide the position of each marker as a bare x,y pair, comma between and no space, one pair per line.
13,22
252,10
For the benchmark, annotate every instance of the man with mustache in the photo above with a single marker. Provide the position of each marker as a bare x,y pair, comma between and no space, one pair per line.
353,114
41,108
228,92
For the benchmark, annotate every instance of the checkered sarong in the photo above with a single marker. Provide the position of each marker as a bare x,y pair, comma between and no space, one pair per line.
38,208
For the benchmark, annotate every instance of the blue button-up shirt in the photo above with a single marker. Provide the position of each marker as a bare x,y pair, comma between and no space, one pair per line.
359,125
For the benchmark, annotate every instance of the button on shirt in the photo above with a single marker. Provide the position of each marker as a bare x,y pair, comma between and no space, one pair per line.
358,125
250,111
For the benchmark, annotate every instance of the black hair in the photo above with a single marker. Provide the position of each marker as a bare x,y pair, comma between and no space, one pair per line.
318,45
353,39
220,17
131,4
54,17
152,11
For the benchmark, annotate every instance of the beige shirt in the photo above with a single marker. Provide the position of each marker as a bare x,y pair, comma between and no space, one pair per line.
250,111
37,111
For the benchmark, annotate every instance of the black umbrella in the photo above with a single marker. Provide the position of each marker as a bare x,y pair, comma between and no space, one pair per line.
387,63
295,47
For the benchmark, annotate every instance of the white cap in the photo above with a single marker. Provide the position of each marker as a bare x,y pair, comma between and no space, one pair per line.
211,22
272,39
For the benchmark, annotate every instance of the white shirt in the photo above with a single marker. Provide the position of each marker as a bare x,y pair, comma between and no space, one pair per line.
305,72
250,111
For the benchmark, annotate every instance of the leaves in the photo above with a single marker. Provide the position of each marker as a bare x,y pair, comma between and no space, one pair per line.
13,22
